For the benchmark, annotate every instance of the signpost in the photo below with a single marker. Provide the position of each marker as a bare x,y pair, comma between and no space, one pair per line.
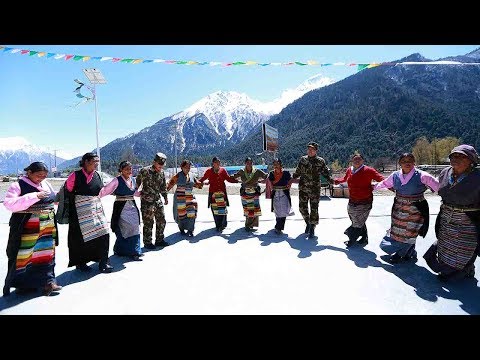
270,138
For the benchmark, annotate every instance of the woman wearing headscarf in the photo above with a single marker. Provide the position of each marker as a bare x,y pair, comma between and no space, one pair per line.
125,221
184,202
458,223
33,233
359,178
280,194
250,176
217,192
88,231
410,212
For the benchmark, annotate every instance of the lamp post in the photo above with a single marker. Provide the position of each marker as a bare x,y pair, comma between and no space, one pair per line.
95,77
175,144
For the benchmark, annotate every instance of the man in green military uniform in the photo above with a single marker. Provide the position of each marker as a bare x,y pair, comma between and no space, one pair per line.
151,179
309,170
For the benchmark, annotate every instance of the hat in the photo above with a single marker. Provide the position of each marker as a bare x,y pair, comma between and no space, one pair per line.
467,150
160,158
36,166
313,144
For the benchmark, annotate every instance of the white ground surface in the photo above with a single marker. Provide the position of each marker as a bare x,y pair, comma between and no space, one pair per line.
254,273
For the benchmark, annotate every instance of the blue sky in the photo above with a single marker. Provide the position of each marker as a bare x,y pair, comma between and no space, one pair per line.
37,95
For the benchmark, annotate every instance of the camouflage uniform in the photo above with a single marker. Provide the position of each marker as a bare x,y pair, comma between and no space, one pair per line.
153,185
309,170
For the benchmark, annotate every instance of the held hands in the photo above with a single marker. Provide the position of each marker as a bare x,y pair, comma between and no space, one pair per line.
166,201
43,194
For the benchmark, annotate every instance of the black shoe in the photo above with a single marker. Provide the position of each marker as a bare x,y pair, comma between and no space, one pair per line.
136,258
470,272
84,268
456,275
6,291
149,246
162,243
349,243
364,239
190,233
311,233
411,256
105,268
307,229
182,232
395,259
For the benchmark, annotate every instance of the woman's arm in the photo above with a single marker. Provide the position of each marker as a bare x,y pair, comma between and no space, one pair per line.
429,180
172,182
337,181
109,188
70,183
14,202
387,183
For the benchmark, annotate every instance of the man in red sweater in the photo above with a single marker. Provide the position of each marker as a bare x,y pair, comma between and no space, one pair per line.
359,179
217,192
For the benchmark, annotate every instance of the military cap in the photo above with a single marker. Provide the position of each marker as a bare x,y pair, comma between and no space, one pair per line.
313,144
160,158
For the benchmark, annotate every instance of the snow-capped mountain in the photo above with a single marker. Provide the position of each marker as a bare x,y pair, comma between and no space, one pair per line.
290,95
16,153
217,121
233,114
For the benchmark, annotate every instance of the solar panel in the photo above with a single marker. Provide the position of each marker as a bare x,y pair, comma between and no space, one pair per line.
94,76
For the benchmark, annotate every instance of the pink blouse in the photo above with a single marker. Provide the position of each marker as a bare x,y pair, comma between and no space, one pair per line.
425,178
112,186
14,202
71,179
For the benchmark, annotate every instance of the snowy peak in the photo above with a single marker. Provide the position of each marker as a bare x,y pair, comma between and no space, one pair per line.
223,109
228,101
17,152
475,54
314,82
290,95
225,101
216,121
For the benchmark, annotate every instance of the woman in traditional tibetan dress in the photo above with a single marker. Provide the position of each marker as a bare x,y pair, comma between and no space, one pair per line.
88,230
184,202
280,194
33,233
410,212
250,192
458,223
217,192
125,222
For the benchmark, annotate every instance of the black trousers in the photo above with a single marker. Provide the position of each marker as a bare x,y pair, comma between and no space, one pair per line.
220,220
280,225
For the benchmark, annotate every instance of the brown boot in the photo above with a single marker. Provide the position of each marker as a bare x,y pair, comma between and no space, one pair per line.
50,288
